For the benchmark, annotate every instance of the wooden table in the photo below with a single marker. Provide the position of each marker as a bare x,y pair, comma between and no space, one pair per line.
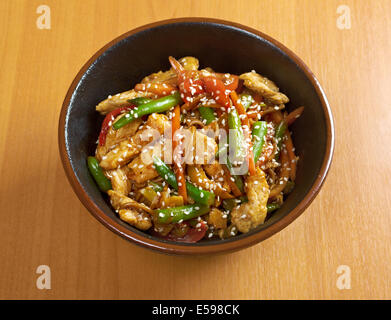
43,222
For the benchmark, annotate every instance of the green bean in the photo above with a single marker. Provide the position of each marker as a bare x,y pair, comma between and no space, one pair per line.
165,172
193,222
229,204
159,105
207,113
259,133
230,232
176,214
139,101
272,207
222,151
280,132
238,179
246,100
288,187
235,124
198,195
156,187
103,183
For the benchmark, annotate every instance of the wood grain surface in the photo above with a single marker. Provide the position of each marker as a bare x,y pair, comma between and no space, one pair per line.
43,222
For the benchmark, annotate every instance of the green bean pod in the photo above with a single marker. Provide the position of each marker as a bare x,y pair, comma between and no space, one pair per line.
280,132
235,124
139,101
103,183
183,213
259,133
246,100
272,207
156,187
230,232
198,195
207,113
229,204
165,172
290,185
159,105
238,179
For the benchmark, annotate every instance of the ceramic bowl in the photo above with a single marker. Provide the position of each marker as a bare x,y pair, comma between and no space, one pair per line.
226,47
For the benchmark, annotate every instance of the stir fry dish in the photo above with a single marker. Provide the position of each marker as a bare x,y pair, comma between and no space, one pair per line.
191,154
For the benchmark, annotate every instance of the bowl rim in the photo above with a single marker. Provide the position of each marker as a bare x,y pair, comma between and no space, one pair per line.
177,248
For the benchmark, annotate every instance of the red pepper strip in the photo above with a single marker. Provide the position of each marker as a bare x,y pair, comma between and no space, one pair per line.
189,83
191,87
217,89
230,81
106,124
192,235
246,131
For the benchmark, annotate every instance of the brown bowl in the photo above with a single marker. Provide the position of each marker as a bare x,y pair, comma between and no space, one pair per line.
226,47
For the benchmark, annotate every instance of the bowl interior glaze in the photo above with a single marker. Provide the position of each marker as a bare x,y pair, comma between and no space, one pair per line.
225,47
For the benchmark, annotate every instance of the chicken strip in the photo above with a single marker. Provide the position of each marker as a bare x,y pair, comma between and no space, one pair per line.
119,180
198,147
264,87
217,219
140,220
189,63
120,201
251,214
129,148
114,137
119,100
198,177
141,167
168,201
170,76
216,172
131,211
